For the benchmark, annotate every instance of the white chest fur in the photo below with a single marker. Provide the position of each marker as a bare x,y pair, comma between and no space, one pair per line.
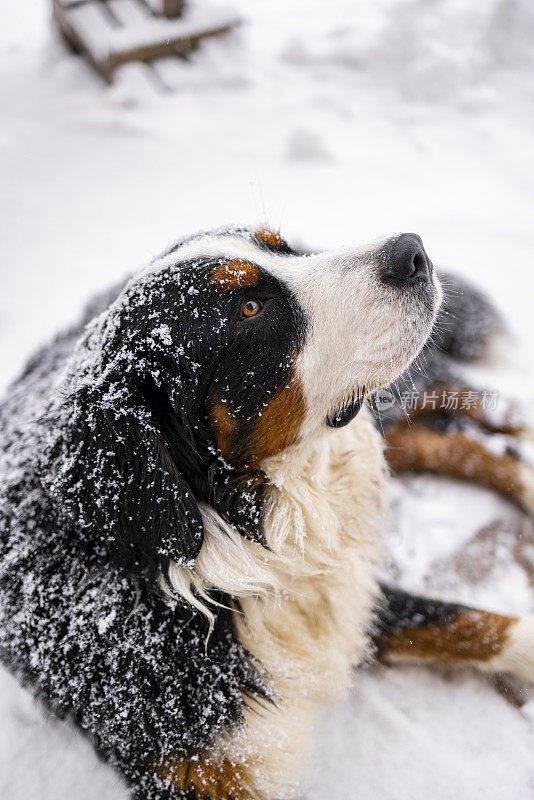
323,519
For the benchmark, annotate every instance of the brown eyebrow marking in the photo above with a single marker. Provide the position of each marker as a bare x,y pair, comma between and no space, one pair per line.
271,239
235,274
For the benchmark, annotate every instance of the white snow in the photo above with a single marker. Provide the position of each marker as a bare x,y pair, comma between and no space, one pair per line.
336,121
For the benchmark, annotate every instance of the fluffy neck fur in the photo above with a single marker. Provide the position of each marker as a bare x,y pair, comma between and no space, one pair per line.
306,603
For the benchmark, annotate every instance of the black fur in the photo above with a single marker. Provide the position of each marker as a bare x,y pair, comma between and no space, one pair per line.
401,611
134,413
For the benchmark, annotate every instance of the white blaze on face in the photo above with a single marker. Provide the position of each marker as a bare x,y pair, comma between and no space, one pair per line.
361,331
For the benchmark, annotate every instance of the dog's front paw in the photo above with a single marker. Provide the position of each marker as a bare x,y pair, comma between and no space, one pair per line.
526,480
517,653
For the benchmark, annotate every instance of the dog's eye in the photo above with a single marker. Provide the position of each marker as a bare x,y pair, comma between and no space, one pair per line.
250,308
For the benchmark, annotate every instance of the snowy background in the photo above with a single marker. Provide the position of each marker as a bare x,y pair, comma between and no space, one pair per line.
334,120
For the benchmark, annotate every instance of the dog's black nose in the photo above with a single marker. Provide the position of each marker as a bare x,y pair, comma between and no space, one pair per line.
405,260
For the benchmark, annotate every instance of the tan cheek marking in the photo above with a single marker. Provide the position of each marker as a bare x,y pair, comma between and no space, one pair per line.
224,425
237,274
209,778
472,636
280,422
420,448
270,238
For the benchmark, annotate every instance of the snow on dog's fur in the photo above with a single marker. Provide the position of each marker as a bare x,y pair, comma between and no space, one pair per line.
192,496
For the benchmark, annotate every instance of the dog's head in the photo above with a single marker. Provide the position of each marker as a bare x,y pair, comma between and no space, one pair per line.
225,351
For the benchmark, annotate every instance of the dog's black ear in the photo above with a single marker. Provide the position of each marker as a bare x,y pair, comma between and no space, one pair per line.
115,474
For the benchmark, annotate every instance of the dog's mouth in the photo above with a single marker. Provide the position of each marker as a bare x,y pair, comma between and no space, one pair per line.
346,412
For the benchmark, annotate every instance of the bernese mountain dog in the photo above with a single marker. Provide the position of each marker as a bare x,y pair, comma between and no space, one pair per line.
192,504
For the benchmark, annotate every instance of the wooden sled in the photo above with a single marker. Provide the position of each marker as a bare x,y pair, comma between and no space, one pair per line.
110,33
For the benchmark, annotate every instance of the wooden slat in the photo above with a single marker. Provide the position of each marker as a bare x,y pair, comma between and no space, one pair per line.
156,6
87,28
197,22
129,12
71,3
172,8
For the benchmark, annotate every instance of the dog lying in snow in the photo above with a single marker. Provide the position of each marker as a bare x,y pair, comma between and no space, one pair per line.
191,502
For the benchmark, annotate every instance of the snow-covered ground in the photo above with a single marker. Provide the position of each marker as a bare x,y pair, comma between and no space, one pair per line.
335,121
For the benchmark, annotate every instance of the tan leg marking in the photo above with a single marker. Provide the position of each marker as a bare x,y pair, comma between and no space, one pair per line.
417,447
209,778
473,636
